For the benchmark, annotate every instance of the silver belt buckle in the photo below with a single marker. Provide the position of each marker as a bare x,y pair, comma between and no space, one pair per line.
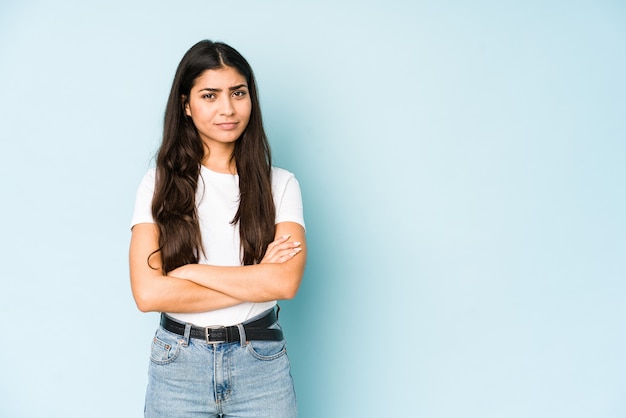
207,334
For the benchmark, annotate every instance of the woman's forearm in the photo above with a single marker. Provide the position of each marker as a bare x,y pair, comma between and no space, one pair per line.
205,287
278,276
256,283
168,294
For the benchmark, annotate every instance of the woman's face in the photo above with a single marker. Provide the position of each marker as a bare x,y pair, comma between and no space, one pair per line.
219,105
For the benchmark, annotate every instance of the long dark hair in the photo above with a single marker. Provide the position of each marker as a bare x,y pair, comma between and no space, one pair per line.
180,156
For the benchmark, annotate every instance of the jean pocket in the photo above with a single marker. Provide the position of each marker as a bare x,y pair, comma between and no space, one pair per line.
267,350
165,348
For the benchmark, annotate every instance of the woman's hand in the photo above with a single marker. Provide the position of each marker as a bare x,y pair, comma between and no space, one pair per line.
181,272
281,250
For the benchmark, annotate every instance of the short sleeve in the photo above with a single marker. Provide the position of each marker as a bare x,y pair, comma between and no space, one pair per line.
143,201
287,197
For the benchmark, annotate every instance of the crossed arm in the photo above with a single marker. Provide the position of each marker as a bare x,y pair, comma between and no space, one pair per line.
202,288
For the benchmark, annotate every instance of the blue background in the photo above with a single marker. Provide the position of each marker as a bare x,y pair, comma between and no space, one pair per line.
463,167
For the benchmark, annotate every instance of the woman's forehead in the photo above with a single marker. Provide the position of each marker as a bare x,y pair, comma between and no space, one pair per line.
219,78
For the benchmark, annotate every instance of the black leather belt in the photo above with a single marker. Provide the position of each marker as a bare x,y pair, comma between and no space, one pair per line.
255,330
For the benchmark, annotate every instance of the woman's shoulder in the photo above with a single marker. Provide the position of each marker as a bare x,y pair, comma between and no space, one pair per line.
149,177
280,176
281,172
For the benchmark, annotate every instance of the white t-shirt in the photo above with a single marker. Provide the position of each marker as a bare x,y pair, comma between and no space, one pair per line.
217,200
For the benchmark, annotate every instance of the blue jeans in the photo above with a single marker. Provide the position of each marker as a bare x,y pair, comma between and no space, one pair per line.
190,378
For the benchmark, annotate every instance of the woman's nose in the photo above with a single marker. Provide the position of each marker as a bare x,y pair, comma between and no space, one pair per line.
227,106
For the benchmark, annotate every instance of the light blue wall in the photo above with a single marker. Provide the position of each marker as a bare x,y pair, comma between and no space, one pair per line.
463,167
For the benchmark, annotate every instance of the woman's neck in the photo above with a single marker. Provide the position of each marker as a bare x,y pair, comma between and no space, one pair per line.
219,160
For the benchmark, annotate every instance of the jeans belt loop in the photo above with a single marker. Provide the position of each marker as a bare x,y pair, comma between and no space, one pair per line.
187,334
242,335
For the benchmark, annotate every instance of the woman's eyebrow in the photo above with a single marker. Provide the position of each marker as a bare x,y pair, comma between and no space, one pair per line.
237,87
211,89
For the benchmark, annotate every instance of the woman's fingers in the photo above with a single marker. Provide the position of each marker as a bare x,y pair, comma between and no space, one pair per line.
281,250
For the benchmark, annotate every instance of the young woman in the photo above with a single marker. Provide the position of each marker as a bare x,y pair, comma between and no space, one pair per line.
217,238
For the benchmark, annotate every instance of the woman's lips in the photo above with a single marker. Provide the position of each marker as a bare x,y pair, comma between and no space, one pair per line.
228,126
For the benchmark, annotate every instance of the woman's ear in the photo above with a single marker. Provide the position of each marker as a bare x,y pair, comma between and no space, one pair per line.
186,105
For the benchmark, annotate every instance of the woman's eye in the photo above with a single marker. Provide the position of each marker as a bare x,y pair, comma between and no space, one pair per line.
239,93
209,96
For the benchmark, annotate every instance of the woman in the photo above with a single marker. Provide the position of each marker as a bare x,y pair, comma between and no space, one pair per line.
217,238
